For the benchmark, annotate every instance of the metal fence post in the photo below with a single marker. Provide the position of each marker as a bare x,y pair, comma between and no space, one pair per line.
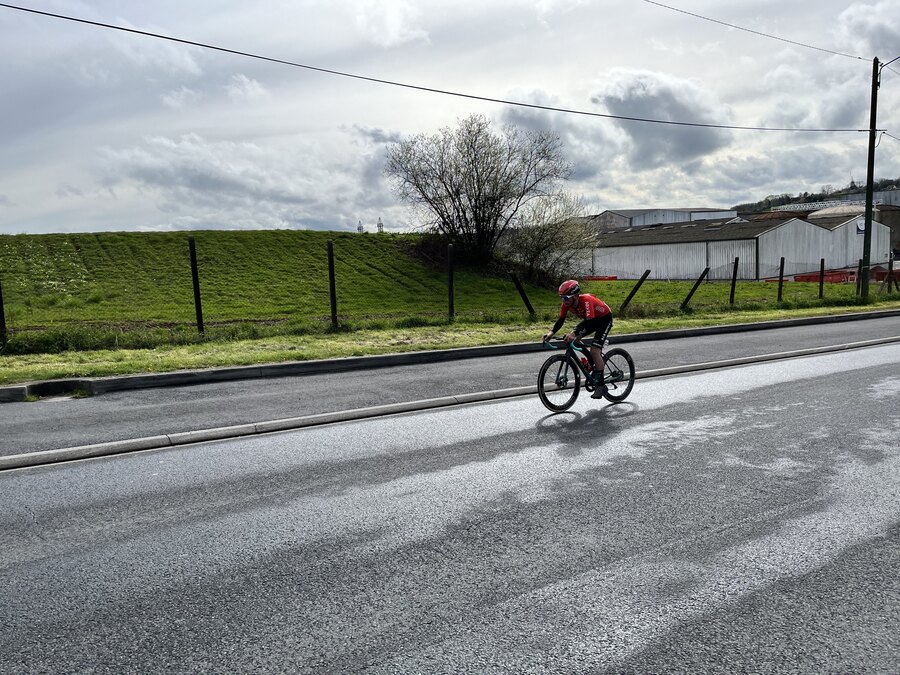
450,310
195,276
634,291
780,278
889,280
694,289
859,273
734,274
523,294
3,334
821,278
332,290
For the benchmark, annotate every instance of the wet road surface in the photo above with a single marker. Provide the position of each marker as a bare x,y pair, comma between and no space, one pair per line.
746,519
63,423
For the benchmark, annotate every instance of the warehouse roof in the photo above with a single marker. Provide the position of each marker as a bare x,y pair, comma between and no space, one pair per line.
774,215
698,230
831,222
638,212
848,210
723,229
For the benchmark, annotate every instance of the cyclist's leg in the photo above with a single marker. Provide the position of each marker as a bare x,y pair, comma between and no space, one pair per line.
600,327
603,328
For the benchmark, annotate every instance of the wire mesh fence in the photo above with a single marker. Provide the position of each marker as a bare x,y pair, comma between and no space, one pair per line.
128,289
112,290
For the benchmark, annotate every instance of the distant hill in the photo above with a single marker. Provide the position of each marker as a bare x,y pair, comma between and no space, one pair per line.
827,193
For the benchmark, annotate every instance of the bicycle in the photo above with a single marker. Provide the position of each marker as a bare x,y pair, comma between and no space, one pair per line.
559,380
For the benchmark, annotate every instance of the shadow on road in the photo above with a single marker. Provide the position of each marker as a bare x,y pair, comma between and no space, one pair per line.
594,424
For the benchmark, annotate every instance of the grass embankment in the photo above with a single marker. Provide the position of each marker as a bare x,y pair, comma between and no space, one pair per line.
108,290
117,303
279,349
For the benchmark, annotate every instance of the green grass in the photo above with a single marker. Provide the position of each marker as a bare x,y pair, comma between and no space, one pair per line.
664,298
134,289
282,348
108,303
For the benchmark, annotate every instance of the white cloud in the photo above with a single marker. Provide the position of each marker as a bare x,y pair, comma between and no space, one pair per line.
590,144
243,88
870,29
182,97
229,185
156,58
680,47
652,95
65,190
390,23
551,9
154,134
375,135
206,172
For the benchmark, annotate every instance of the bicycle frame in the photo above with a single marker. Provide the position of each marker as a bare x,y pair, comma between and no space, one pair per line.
576,348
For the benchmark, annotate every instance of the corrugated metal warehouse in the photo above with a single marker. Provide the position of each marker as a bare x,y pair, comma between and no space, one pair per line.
684,250
621,218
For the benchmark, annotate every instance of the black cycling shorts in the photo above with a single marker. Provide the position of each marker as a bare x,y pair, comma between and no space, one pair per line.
600,326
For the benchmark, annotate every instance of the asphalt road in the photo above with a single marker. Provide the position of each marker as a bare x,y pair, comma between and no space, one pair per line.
63,422
737,520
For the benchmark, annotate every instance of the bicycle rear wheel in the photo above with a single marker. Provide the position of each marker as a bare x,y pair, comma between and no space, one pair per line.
559,382
618,374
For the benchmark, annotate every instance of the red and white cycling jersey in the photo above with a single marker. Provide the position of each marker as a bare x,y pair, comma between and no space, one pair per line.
586,306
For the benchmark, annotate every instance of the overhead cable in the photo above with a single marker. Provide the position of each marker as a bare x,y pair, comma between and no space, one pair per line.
755,32
416,87
888,65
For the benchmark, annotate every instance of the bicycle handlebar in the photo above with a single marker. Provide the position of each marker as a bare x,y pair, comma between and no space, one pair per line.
577,342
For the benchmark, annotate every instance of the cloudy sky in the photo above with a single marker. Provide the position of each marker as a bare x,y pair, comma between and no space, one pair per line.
106,130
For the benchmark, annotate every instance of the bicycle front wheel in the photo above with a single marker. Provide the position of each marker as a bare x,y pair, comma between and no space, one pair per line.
559,382
618,374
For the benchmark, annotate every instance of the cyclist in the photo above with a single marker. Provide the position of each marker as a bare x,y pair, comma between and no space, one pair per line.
596,317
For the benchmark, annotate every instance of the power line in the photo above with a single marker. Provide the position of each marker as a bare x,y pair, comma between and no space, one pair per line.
889,136
416,87
755,32
888,65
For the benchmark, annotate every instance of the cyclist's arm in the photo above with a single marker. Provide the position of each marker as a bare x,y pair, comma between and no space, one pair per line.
559,323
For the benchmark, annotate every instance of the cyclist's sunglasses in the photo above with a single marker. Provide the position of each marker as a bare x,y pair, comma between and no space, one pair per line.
567,298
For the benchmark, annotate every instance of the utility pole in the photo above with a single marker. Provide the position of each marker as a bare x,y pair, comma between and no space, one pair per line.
867,237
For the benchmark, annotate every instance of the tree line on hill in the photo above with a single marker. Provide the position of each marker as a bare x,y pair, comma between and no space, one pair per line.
827,193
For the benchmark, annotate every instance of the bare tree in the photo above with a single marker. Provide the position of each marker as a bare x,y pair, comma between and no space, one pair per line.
551,239
473,182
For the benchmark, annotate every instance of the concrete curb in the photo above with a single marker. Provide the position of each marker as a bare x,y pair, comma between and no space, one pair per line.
292,423
100,385
271,426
